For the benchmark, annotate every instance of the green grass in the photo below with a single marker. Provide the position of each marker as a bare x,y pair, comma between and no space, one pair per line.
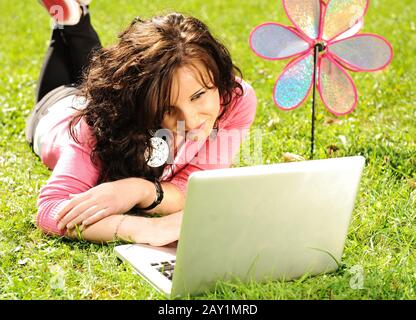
381,238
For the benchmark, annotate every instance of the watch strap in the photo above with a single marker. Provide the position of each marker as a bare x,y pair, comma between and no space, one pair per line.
159,195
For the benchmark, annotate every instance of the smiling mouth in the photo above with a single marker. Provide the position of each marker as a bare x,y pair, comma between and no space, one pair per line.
200,127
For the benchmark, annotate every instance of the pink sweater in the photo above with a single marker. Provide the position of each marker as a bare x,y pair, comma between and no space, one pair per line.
73,171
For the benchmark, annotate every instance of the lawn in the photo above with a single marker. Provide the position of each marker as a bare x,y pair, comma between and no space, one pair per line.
381,240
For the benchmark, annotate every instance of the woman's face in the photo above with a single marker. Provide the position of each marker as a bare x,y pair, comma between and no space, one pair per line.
192,103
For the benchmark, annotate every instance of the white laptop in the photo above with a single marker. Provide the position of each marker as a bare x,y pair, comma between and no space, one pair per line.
261,223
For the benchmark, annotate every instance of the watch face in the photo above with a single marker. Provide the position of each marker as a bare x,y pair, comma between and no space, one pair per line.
160,152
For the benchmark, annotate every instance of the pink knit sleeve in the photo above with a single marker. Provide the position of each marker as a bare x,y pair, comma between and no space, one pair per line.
219,151
73,173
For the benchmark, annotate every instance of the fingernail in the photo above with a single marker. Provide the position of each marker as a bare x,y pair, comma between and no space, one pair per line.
60,226
69,226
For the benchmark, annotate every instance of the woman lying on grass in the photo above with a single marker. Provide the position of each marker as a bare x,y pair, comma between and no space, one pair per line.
100,110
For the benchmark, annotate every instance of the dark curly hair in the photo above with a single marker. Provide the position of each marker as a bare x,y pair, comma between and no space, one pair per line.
127,87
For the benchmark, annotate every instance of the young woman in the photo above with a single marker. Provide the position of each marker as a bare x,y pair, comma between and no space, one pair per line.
98,114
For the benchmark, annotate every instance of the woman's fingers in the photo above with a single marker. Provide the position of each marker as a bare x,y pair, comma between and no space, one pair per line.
96,217
75,212
93,211
71,204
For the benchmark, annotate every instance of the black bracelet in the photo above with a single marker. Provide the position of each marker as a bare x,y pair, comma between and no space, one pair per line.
159,195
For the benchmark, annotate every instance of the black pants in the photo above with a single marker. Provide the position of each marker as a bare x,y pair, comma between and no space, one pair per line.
68,54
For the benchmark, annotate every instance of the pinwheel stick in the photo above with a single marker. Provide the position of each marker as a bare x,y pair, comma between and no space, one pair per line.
318,48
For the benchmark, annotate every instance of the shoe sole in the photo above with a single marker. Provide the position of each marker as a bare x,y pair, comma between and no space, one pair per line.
61,11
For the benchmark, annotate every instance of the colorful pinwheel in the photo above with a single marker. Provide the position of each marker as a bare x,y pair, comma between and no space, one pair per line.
329,28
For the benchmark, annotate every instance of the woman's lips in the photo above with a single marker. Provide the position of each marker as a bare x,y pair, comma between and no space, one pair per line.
200,127
195,134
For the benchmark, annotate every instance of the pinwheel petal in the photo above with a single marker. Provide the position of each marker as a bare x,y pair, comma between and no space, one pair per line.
363,52
342,15
352,31
337,89
274,41
294,84
305,15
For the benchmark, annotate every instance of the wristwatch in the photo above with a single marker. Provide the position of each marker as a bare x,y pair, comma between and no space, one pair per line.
159,195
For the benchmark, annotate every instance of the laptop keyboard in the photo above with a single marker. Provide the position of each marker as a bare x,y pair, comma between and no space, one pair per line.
165,268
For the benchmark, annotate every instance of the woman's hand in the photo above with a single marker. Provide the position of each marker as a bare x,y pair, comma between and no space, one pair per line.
106,199
163,231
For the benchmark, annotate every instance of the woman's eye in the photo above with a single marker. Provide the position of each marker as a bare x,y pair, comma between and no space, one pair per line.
198,96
